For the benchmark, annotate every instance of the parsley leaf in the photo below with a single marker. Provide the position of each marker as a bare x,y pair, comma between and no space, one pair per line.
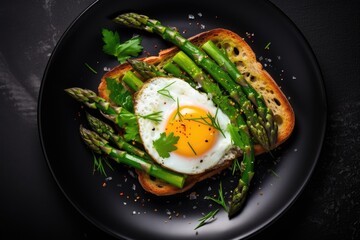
121,51
166,144
119,95
128,121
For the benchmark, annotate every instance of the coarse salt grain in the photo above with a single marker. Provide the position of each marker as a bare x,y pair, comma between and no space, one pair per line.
192,196
131,173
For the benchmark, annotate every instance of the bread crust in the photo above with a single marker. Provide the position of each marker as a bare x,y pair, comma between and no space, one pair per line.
245,60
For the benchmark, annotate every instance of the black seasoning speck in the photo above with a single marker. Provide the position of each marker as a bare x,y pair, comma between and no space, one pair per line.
153,129
206,140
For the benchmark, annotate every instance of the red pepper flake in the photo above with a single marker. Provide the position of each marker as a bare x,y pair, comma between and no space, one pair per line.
147,53
104,184
121,194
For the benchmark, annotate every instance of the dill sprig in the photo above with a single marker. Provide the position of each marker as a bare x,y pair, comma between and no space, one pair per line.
209,120
193,150
90,68
220,199
99,166
207,218
236,166
178,113
267,46
156,116
165,92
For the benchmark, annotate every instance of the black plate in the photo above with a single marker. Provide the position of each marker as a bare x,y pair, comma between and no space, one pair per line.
122,208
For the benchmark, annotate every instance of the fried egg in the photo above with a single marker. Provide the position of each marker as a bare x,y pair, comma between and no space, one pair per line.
191,116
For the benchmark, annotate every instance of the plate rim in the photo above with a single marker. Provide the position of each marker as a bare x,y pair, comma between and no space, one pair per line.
266,224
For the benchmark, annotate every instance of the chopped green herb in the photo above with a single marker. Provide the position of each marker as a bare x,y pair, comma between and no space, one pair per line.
273,173
128,120
191,148
156,116
166,144
119,95
214,122
122,51
267,47
220,200
98,165
235,166
207,218
90,68
178,113
165,92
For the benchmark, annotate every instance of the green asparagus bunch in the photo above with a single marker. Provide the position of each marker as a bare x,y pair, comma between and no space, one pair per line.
101,146
196,54
119,115
129,154
108,133
259,124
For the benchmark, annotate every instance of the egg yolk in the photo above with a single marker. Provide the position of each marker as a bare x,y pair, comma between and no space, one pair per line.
193,125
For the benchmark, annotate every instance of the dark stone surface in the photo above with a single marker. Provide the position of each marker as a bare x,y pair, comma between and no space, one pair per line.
33,206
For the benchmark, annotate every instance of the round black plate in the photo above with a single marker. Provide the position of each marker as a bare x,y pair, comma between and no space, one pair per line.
122,208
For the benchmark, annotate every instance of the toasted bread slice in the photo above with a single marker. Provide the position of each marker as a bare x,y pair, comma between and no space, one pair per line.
244,58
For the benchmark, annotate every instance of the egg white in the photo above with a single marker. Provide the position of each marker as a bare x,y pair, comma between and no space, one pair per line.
148,100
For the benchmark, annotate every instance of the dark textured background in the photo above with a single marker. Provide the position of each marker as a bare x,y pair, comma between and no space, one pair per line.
31,204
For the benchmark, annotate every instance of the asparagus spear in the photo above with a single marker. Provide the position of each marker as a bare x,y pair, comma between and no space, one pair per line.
264,112
122,117
146,70
132,80
173,70
107,132
100,145
241,139
237,129
145,23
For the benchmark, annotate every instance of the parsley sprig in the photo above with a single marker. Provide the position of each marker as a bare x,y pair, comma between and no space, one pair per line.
166,144
122,51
